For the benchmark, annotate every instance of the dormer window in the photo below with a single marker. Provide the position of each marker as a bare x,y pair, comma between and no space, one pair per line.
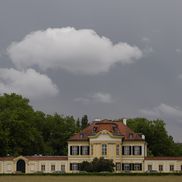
81,135
130,135
94,129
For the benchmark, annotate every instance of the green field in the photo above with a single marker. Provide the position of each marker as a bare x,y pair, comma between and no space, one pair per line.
90,178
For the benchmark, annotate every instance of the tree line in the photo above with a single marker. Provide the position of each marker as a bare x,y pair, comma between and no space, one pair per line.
24,131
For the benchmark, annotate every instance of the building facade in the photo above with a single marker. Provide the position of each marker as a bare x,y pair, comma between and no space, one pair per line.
109,139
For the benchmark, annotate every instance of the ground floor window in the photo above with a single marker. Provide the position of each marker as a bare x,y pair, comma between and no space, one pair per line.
118,166
171,167
137,167
126,167
160,167
53,167
74,166
42,167
149,167
63,168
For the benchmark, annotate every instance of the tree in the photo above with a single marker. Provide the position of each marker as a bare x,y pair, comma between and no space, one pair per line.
24,131
78,124
159,142
84,122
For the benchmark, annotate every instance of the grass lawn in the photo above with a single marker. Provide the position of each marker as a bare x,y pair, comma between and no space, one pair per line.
90,178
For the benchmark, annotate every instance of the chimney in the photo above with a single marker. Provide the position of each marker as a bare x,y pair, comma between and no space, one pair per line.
143,137
125,121
97,119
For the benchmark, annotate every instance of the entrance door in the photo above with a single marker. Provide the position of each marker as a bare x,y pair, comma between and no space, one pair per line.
20,166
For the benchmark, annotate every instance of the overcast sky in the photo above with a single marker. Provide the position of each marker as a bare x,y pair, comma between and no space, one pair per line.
104,58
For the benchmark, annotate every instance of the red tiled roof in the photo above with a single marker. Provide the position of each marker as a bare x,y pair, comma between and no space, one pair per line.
163,158
36,157
117,128
6,158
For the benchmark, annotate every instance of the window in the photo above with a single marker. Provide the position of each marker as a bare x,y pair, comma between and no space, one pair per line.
117,149
126,150
130,135
52,167
181,167
63,168
137,150
126,167
149,167
84,150
137,167
42,167
171,167
74,166
104,149
118,166
74,150
160,167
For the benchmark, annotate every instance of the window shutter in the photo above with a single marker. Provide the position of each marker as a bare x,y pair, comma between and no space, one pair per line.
70,150
122,150
140,167
130,150
122,167
70,166
140,150
88,150
77,150
81,152
133,153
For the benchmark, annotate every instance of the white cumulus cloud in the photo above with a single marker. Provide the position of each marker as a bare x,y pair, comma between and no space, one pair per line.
78,51
163,110
28,83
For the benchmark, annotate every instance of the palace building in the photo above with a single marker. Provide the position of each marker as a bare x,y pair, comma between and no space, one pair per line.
109,139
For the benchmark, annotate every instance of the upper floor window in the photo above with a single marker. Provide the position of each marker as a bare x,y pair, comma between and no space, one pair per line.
137,150
104,149
74,150
117,149
126,150
84,150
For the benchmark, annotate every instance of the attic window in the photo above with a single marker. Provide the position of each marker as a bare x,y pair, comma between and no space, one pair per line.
130,135
114,128
94,129
81,135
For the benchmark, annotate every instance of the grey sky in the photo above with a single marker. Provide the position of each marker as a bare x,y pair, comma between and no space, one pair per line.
150,86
